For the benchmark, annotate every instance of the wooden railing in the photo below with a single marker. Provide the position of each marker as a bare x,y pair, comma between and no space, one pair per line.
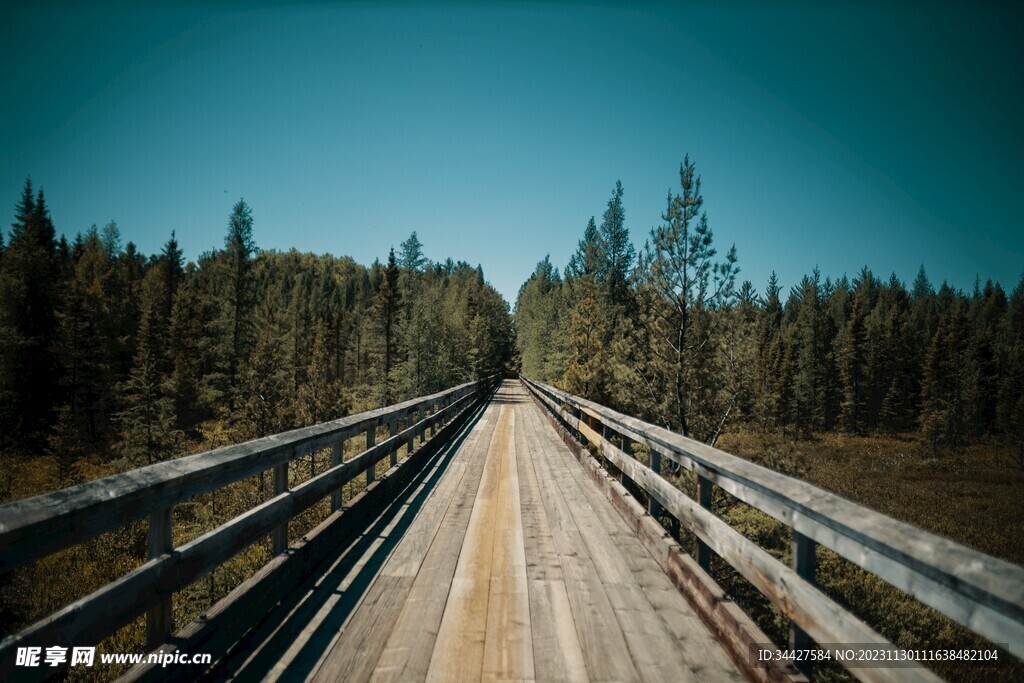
40,526
980,592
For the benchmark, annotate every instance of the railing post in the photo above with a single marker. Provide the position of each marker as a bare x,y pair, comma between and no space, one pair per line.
279,536
627,448
371,441
653,506
421,415
803,553
704,500
160,618
337,457
443,407
392,430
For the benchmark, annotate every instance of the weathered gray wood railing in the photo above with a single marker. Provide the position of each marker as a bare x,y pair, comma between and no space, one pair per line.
36,527
983,593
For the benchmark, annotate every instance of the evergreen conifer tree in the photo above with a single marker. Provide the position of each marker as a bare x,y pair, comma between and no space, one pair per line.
683,283
239,248
388,306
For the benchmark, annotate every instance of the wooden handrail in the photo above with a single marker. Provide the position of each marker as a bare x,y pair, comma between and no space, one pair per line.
42,525
981,592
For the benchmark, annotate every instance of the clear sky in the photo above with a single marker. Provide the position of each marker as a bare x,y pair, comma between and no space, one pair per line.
886,134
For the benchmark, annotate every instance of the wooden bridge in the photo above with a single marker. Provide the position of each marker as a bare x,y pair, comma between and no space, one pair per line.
490,543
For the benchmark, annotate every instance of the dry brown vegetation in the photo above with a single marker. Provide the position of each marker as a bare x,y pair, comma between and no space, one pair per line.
45,586
972,496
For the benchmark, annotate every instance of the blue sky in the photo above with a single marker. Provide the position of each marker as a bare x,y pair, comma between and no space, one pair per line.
886,134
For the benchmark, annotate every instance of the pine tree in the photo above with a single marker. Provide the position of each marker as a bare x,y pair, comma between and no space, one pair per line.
320,398
388,306
264,407
29,301
618,249
540,338
813,337
944,410
683,284
172,264
66,448
899,406
987,311
147,421
853,365
771,352
412,258
191,354
412,263
585,374
1010,405
590,258
239,249
148,431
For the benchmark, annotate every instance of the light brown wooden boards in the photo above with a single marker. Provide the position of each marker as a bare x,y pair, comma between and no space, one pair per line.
604,646
485,631
361,643
557,653
516,568
662,625
410,646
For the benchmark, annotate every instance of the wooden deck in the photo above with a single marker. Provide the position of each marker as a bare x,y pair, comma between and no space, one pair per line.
500,561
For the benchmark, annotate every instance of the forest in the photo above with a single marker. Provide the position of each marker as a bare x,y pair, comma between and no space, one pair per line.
671,335
107,351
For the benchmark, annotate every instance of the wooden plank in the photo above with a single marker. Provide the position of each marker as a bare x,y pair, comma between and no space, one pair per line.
589,434
508,644
557,654
359,646
604,647
392,430
297,644
294,644
692,651
658,655
280,532
803,557
459,649
371,441
704,494
409,648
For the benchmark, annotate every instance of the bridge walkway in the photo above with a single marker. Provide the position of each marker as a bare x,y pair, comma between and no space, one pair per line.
501,560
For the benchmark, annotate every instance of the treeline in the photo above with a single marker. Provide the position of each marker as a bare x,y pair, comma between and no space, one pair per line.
669,335
105,350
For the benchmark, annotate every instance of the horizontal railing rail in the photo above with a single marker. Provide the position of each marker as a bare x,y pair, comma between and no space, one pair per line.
43,525
983,593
